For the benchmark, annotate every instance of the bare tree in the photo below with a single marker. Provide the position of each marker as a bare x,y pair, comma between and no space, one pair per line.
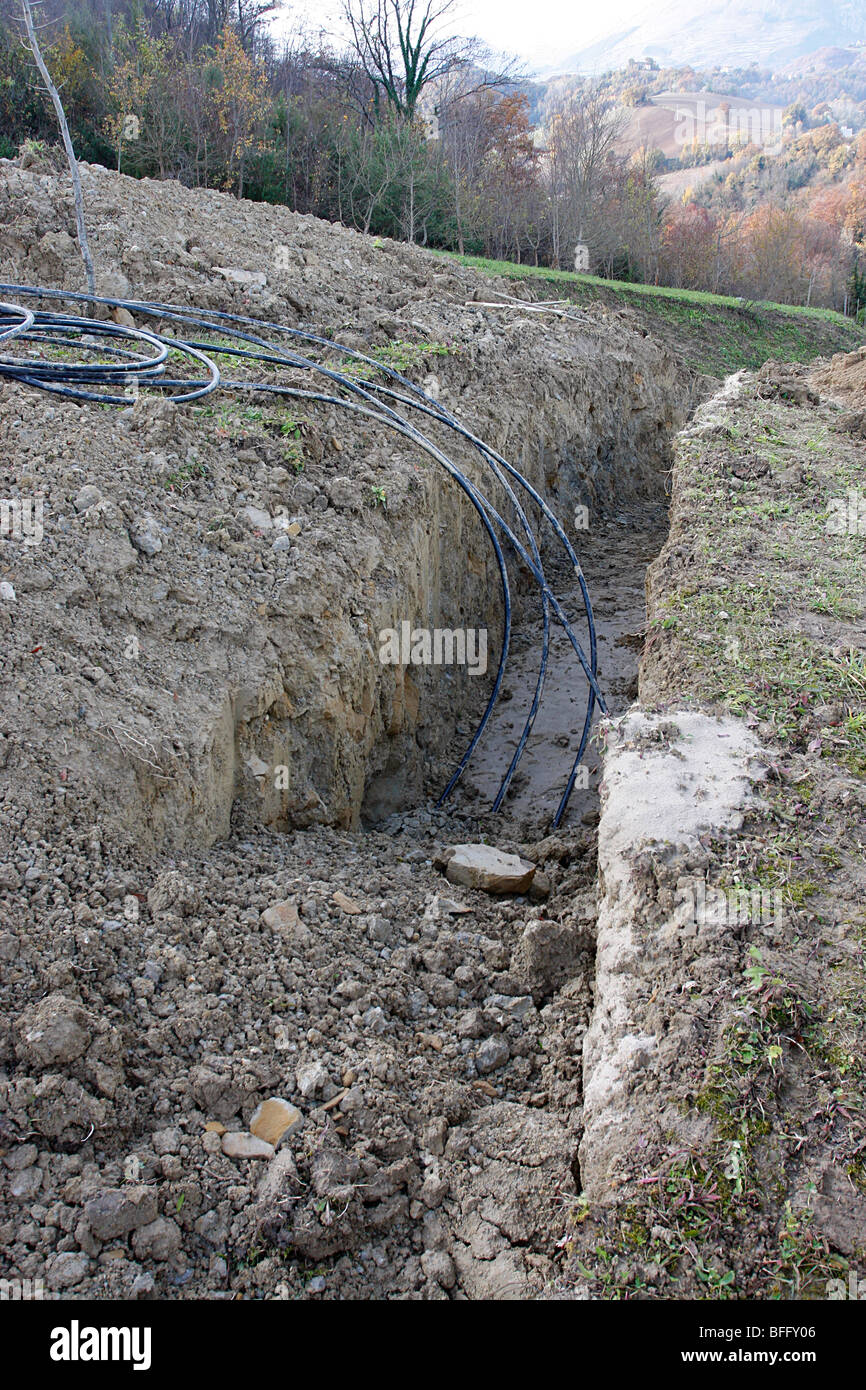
52,91
251,15
403,47
466,136
581,141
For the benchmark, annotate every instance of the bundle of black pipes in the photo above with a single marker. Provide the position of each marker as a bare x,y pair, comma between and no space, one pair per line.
142,361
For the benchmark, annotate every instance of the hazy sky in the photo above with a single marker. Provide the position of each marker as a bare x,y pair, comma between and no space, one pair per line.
541,31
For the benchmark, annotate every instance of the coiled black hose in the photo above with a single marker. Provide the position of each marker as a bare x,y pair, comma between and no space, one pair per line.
125,367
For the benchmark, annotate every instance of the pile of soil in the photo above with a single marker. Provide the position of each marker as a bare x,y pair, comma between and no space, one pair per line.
844,377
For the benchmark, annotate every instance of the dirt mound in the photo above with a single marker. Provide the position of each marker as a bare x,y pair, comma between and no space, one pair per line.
844,377
722,1092
401,1014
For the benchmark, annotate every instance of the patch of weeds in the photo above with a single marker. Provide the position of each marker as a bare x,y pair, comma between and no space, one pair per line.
742,1087
293,456
834,601
398,356
803,1264
180,479
720,1283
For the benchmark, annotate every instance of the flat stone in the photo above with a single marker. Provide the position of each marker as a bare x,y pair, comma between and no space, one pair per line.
492,1054
514,1007
119,1210
245,1145
274,1119
348,905
281,916
454,909
311,1077
66,1269
257,519
482,866
252,279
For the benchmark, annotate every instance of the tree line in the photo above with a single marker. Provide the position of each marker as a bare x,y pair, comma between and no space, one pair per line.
401,130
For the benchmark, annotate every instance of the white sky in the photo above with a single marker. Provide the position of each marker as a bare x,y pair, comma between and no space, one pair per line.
542,32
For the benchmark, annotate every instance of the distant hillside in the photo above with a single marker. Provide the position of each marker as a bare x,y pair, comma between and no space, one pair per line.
825,61
735,32
673,120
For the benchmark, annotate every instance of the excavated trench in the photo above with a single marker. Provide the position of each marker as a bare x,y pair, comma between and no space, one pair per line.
553,937
455,585
615,555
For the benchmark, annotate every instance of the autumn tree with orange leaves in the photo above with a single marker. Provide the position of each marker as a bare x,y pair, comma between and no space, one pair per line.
237,97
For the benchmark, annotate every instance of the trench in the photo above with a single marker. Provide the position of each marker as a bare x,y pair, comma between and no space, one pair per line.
615,555
615,552
534,1101
627,528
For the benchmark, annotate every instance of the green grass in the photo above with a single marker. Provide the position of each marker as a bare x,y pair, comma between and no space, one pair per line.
710,333
702,297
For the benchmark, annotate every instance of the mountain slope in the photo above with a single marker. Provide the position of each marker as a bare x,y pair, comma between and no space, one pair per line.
736,32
